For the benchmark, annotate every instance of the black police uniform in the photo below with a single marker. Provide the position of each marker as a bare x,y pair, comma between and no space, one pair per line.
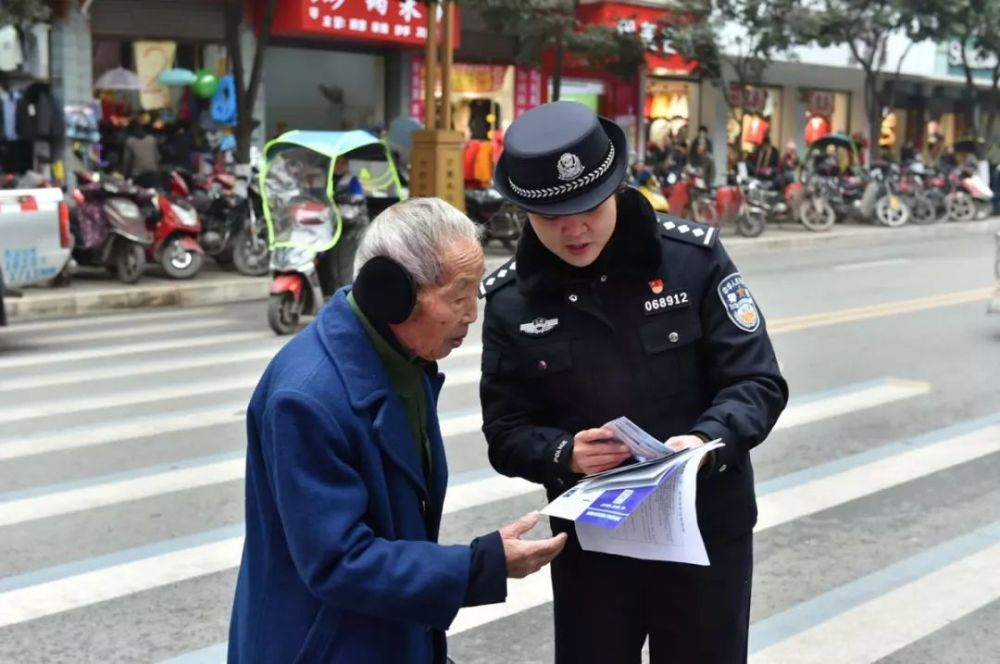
662,329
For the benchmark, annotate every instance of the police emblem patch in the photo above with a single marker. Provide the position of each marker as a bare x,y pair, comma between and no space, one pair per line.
539,326
569,166
656,285
739,303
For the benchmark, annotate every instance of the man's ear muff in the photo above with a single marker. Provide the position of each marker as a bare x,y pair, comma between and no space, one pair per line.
385,291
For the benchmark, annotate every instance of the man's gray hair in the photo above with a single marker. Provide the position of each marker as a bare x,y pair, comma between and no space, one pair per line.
415,234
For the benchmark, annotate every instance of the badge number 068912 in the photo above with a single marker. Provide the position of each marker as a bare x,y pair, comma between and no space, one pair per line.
673,300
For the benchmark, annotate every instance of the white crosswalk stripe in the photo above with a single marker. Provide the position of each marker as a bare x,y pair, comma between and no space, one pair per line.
860,633
132,318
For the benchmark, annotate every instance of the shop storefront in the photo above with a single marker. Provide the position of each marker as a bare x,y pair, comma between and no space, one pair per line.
485,99
29,118
663,102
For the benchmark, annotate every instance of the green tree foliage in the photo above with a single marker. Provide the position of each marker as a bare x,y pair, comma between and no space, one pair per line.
542,24
974,27
733,41
864,27
23,13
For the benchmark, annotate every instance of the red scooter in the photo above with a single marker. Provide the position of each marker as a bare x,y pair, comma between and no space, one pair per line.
175,226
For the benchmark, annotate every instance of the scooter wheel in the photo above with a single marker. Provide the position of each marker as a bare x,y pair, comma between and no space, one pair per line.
250,257
750,225
283,313
180,263
130,262
889,215
961,207
817,215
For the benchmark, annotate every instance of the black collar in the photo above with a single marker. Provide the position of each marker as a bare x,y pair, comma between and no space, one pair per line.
634,247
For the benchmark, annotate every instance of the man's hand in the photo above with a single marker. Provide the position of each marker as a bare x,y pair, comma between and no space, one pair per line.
527,557
593,452
681,443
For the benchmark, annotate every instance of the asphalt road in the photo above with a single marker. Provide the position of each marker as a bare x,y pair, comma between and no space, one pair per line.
121,493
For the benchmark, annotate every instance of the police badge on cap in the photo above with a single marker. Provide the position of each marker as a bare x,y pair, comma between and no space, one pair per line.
561,158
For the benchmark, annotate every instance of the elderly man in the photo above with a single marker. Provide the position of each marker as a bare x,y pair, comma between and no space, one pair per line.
346,472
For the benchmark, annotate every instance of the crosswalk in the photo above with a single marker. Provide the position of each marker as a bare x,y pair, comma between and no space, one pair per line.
136,420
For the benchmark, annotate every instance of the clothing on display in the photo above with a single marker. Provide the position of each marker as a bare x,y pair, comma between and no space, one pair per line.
756,130
11,56
9,100
37,117
36,50
816,128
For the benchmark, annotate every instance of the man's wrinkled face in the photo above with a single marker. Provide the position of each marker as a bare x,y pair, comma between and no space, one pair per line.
444,312
577,239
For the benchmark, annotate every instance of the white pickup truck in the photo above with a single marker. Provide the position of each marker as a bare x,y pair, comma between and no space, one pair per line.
35,240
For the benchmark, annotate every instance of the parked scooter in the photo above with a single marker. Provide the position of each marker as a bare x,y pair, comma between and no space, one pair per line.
498,219
232,224
971,198
176,227
691,197
109,227
314,224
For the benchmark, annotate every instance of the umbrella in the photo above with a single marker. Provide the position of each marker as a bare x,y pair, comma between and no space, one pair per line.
118,78
401,131
177,77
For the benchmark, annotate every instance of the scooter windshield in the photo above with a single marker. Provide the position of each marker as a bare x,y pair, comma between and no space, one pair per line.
297,195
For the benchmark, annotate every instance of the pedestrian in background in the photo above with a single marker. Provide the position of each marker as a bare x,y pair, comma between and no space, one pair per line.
141,156
608,311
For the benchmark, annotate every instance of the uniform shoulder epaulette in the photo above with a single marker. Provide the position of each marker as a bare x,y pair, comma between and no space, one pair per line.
684,230
499,278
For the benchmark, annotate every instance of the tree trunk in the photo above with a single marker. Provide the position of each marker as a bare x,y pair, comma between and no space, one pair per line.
558,66
246,94
970,87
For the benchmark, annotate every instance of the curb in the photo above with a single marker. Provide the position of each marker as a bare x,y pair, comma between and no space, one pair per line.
861,235
68,303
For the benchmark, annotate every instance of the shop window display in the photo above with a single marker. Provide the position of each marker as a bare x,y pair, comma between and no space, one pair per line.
755,115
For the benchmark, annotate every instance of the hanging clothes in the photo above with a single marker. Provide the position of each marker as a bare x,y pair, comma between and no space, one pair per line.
816,128
756,131
469,160
9,100
483,171
11,56
37,118
36,50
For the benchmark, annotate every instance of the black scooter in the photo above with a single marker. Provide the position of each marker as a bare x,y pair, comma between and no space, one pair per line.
499,219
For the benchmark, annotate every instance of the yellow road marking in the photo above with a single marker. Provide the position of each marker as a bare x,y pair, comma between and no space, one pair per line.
797,323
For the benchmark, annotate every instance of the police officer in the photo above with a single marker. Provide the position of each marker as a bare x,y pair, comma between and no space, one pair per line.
609,310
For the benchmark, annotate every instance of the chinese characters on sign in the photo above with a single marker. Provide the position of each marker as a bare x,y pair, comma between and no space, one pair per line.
397,21
650,33
482,79
527,89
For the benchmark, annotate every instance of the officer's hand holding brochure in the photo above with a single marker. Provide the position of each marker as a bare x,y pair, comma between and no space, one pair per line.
644,510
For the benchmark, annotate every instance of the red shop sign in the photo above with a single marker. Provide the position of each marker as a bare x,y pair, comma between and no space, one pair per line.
647,24
392,21
527,89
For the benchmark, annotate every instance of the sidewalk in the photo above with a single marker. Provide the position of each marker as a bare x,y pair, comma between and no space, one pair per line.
93,292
